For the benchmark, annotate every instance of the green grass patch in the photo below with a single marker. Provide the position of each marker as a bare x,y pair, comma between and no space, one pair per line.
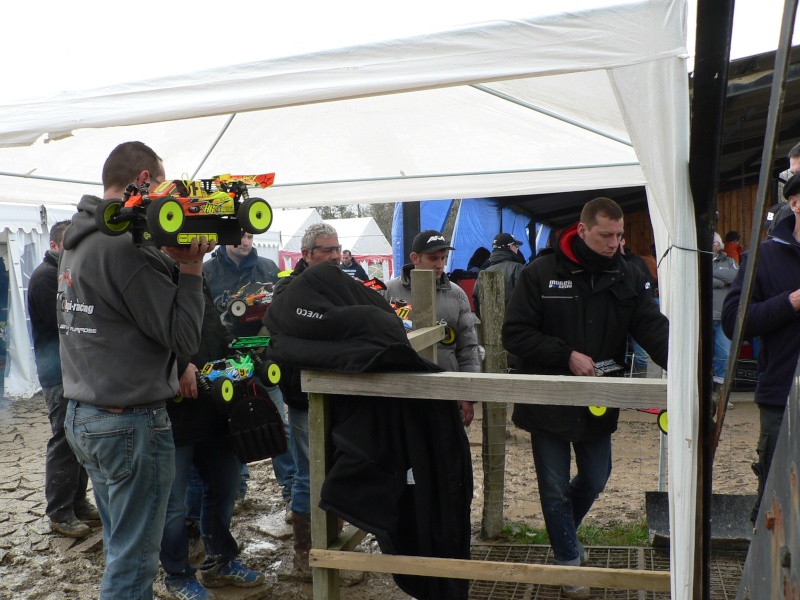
591,534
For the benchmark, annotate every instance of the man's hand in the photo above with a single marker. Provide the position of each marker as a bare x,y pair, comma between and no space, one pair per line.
580,364
190,258
188,382
794,298
467,412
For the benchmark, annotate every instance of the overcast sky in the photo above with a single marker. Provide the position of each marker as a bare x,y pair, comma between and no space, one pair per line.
51,47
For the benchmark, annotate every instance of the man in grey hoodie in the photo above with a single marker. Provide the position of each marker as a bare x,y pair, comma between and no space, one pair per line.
122,320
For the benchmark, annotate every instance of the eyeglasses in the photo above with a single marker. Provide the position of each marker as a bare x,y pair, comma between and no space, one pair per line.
328,249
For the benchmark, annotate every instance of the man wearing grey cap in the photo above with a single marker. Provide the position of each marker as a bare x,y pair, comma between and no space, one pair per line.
505,258
774,316
429,251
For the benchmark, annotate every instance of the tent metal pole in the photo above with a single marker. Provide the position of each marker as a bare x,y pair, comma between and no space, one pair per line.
214,145
712,56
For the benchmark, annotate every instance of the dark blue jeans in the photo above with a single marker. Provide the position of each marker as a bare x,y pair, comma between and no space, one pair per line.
130,458
565,502
219,469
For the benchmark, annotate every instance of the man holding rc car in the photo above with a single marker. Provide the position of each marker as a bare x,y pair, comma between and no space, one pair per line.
570,310
122,319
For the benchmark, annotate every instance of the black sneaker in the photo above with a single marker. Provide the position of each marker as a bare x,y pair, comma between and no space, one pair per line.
70,527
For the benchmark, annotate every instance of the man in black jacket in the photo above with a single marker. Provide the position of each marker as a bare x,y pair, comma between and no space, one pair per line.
65,480
570,310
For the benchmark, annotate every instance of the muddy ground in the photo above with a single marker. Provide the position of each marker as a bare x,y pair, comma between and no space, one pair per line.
35,564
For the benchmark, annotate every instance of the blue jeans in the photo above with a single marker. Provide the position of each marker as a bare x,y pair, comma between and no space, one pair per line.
640,357
565,502
283,464
722,346
130,458
219,468
65,480
301,489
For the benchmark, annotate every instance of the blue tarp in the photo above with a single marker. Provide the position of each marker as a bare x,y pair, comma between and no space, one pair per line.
432,215
478,221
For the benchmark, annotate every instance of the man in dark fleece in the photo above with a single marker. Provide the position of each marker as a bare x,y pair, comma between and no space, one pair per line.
773,317
65,480
121,321
571,309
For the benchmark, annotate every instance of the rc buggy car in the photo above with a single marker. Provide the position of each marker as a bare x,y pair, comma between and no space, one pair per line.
179,211
248,304
222,378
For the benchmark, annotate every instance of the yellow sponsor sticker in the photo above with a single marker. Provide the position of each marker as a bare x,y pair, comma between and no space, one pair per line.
186,238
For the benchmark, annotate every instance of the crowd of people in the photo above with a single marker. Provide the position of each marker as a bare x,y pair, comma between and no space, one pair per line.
154,443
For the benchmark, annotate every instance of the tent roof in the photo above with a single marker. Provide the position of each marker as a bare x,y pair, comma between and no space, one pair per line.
496,108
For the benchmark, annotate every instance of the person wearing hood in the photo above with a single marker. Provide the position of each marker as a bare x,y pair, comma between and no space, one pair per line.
65,480
773,315
505,257
570,310
122,320
459,351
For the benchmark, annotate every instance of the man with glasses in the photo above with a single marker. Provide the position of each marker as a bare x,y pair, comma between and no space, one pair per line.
320,244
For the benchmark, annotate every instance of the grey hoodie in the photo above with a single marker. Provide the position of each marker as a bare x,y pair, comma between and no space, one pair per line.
121,317
452,306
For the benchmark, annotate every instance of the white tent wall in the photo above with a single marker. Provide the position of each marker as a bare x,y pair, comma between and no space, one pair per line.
663,151
367,244
456,113
268,244
25,234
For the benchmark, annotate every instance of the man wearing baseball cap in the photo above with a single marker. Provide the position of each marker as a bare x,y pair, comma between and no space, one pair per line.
505,258
459,350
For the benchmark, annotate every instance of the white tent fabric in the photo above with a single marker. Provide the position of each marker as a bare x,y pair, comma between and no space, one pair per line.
586,99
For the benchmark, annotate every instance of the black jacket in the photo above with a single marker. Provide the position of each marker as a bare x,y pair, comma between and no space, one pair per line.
510,264
557,307
770,315
42,290
323,319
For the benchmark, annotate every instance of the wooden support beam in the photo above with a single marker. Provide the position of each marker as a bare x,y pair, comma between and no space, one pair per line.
425,337
625,579
491,288
615,392
423,304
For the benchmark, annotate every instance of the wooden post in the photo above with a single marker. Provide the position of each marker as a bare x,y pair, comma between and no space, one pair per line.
491,293
423,305
323,525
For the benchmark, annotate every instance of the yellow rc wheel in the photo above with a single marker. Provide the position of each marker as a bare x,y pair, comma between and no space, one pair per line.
165,216
662,421
598,411
104,217
449,336
255,215
273,372
223,389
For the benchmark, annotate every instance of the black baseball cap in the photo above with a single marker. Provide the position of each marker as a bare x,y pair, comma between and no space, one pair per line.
430,241
792,186
504,240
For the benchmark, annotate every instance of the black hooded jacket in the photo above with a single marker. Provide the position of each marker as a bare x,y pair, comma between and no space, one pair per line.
559,306
401,468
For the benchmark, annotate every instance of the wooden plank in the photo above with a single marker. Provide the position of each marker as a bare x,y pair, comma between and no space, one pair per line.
423,304
491,287
619,392
625,579
323,525
350,537
425,337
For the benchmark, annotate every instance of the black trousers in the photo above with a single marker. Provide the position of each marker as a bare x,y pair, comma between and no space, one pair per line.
771,418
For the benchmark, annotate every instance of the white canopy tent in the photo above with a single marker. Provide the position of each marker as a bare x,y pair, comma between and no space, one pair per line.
578,100
367,244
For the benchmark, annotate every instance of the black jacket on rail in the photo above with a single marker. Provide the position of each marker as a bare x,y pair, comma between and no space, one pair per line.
401,468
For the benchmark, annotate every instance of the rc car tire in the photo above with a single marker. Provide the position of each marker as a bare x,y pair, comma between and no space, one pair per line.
269,372
255,215
238,308
663,424
105,210
223,389
165,216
